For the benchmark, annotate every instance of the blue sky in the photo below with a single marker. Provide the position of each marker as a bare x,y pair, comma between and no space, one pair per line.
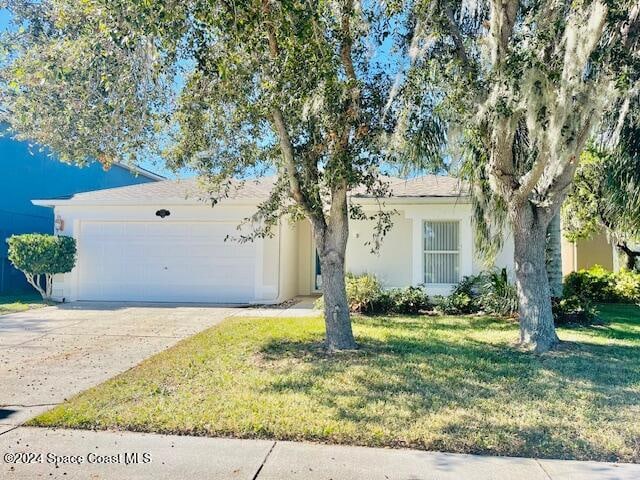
5,18
383,55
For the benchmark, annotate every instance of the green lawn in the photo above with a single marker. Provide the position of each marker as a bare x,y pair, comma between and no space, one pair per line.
437,383
19,303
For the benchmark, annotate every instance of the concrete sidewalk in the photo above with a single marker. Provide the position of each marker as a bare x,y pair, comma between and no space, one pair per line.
119,455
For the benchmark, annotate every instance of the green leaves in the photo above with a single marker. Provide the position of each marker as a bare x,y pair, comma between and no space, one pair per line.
604,196
38,254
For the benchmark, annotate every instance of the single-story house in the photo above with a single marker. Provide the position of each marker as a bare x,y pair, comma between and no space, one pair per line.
160,242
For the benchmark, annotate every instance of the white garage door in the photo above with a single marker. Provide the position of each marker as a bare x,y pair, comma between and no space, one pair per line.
164,262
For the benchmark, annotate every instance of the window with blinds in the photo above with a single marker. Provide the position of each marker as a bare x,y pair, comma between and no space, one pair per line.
441,252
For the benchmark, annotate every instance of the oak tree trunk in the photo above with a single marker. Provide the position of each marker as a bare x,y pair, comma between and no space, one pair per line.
554,256
336,307
331,242
537,329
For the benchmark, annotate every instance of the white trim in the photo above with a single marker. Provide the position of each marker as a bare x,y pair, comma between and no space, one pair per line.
53,202
417,261
140,171
465,241
451,200
165,202
457,252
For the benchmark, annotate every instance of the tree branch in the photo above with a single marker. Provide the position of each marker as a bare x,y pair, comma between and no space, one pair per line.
34,281
353,111
501,167
531,178
503,18
457,38
286,145
629,28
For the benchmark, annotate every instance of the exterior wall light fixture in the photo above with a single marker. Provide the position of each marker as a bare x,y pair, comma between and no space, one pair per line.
58,223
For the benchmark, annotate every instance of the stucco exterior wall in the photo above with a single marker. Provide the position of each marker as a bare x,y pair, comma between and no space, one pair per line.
392,263
268,250
285,262
584,254
305,254
399,261
288,235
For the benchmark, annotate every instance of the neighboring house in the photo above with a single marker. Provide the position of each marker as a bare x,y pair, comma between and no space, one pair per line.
584,254
159,242
26,174
596,250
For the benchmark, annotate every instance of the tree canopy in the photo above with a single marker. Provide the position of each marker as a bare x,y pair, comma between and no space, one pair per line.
304,89
37,254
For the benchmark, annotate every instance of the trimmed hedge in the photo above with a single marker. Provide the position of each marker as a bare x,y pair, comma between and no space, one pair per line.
599,285
38,255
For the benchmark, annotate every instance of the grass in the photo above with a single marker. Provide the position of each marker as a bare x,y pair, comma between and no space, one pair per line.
437,383
19,303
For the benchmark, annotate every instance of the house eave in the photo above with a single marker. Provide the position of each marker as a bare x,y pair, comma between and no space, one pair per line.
71,202
143,172
418,200
129,203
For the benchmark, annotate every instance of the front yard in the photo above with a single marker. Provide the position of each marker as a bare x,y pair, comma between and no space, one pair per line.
437,383
19,303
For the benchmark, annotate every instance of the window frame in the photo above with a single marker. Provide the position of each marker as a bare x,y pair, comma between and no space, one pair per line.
424,252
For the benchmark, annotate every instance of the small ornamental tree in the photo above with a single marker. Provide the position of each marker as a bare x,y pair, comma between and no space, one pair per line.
36,255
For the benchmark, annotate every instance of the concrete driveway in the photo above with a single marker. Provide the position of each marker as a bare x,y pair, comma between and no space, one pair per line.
50,354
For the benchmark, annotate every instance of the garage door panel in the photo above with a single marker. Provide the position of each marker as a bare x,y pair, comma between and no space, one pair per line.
168,261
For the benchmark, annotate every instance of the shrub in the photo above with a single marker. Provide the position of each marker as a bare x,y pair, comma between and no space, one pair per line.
497,296
599,285
627,286
455,304
365,295
362,292
595,284
489,292
573,310
410,300
462,299
38,255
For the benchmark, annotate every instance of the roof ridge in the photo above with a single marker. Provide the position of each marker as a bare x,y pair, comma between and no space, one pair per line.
259,188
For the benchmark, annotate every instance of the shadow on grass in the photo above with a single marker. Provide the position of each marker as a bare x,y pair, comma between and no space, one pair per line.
617,322
419,372
434,323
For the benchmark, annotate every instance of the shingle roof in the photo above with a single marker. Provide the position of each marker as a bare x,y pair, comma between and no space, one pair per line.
191,190
428,186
